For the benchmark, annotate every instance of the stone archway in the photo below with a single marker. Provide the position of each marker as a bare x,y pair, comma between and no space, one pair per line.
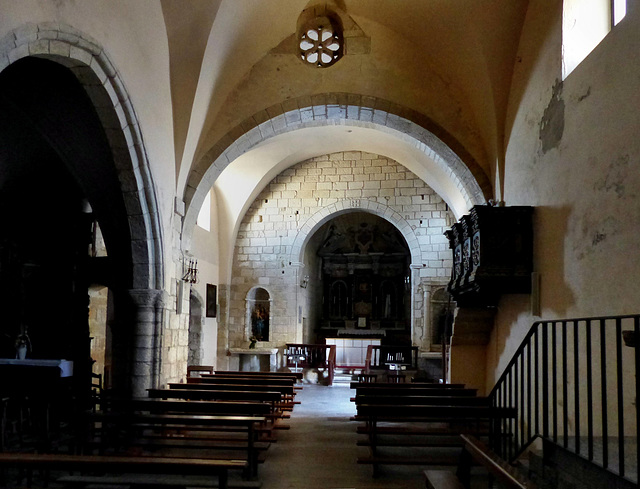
325,214
89,62
411,127
140,293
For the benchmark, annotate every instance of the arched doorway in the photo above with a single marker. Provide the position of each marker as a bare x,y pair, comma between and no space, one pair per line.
59,194
362,283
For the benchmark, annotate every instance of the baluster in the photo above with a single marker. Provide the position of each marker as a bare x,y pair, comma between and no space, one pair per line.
515,405
603,395
576,374
554,380
589,394
529,396
636,335
520,412
536,357
620,397
545,381
565,396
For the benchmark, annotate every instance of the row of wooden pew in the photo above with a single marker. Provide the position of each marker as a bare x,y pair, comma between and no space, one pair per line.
187,434
426,424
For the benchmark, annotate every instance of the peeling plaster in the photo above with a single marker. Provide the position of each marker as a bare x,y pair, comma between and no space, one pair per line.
552,123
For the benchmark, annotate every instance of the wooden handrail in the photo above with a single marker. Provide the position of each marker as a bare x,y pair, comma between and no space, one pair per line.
497,466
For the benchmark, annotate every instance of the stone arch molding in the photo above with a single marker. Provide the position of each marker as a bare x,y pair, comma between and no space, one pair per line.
336,109
102,82
348,205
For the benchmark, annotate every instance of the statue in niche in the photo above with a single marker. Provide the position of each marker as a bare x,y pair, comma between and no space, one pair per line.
260,323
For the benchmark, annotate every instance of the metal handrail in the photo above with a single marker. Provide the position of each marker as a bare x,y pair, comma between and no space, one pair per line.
567,382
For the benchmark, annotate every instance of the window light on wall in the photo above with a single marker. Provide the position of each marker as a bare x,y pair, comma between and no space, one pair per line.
204,216
584,24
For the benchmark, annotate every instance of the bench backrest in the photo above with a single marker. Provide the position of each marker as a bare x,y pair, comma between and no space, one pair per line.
295,375
423,400
381,391
210,395
282,389
214,379
160,406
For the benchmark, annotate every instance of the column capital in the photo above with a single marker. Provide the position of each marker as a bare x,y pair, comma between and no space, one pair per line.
148,297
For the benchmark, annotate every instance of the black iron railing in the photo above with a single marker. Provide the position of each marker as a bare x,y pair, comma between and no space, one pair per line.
574,382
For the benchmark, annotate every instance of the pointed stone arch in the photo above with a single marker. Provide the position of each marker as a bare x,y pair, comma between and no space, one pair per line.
86,59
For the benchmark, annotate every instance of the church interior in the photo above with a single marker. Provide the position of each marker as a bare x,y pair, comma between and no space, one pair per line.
415,194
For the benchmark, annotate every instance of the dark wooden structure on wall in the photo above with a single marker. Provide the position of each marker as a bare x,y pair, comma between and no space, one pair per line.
365,281
492,254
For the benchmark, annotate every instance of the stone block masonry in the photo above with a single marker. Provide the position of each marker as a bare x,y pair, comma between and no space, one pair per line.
305,196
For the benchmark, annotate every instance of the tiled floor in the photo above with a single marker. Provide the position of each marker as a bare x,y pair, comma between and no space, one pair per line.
319,450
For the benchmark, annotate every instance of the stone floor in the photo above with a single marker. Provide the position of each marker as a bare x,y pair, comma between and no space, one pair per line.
319,450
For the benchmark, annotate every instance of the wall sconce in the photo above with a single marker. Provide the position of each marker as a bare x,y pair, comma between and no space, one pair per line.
191,275
305,282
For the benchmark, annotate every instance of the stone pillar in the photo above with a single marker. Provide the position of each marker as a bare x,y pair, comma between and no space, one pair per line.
148,317
222,356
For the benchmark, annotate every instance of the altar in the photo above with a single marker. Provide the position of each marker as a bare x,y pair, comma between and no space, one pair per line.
60,368
255,359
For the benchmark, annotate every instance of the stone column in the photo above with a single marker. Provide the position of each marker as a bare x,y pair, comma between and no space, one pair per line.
146,361
222,356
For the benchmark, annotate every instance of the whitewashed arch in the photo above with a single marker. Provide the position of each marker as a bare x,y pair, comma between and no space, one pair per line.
332,110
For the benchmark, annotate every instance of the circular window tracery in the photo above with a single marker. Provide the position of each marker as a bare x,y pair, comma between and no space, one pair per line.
321,42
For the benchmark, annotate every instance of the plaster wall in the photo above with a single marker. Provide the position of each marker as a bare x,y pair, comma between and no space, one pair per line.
206,250
573,153
284,209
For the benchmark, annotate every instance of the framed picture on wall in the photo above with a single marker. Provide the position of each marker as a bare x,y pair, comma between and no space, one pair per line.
212,298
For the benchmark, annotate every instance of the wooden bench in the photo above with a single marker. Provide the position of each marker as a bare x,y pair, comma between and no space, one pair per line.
476,451
295,375
404,421
108,464
118,431
270,397
239,379
286,391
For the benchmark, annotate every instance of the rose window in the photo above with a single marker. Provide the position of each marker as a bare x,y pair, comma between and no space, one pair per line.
321,43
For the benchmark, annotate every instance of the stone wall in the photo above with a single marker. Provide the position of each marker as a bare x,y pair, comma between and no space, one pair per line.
302,198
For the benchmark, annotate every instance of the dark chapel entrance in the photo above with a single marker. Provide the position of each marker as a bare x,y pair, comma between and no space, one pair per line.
59,193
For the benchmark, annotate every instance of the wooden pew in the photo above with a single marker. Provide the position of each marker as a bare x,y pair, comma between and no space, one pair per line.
476,451
273,398
118,431
427,420
239,379
216,395
408,385
295,375
152,467
286,391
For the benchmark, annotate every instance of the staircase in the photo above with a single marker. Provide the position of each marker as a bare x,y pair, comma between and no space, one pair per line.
573,383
